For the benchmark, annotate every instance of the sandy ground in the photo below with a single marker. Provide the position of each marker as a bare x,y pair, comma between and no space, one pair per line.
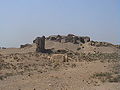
76,77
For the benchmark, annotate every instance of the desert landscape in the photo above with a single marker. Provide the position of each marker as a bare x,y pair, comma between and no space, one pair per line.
61,62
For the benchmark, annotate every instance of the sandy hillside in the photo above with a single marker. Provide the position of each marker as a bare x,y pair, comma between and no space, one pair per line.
24,69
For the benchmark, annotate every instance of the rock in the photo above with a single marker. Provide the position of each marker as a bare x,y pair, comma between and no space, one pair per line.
58,58
26,45
117,46
55,38
35,41
100,44
63,40
58,38
60,51
40,43
52,37
4,48
75,38
69,38
84,39
70,35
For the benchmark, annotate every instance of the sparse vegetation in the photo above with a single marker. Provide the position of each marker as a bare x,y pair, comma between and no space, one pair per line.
102,76
106,74
73,65
78,48
111,57
115,79
107,77
2,77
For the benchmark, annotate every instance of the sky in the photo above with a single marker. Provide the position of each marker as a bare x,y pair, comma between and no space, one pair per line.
21,21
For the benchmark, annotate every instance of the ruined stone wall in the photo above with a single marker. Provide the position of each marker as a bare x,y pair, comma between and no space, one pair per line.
69,38
40,44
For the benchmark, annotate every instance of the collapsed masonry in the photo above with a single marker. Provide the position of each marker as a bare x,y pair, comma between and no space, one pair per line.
69,38
26,45
64,39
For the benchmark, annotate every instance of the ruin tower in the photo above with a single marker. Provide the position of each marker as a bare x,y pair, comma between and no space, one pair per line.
40,44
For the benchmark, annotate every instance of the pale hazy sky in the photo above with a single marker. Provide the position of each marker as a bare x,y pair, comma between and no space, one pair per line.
23,20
